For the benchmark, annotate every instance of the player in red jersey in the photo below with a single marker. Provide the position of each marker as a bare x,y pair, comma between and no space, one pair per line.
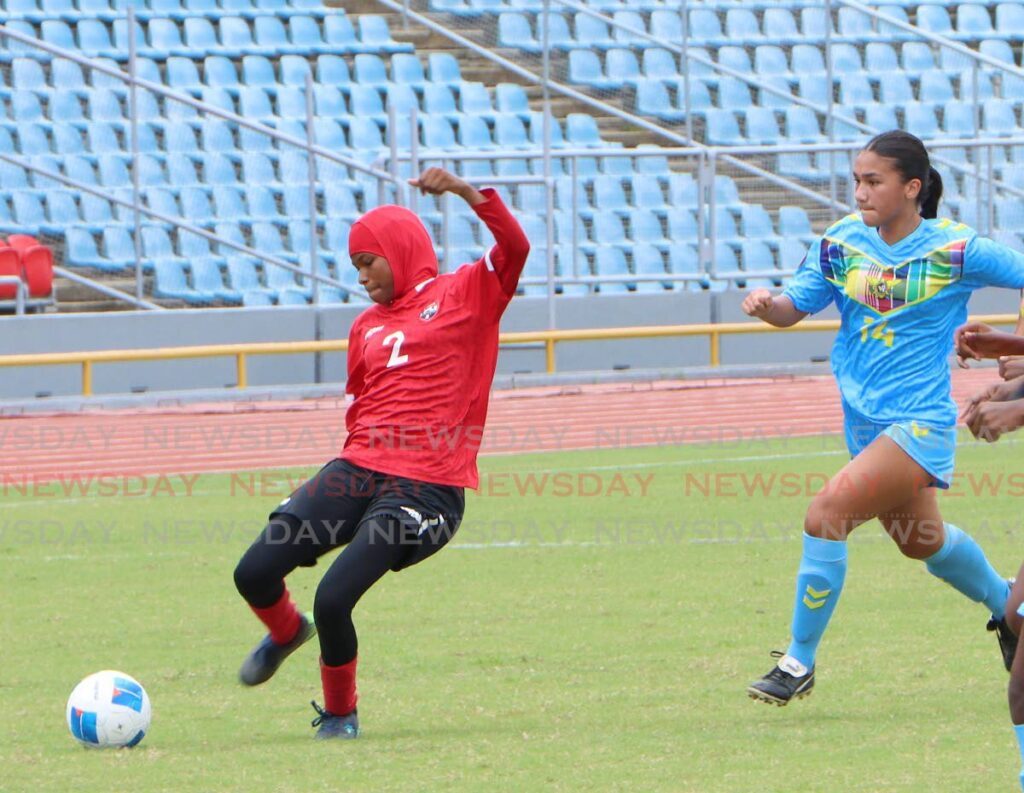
420,366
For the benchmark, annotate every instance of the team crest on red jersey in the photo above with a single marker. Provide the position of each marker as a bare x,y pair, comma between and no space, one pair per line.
429,312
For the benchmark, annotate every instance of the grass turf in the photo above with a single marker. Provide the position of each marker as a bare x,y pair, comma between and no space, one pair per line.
592,630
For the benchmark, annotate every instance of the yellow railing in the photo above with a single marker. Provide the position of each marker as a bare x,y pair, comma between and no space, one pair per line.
549,338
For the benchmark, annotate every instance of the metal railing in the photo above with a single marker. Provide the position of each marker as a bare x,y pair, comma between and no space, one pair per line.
20,291
549,338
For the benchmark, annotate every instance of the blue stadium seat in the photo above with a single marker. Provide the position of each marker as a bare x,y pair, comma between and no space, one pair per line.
645,227
999,118
855,91
920,120
219,72
473,133
854,25
585,68
802,125
370,70
375,36
807,60
735,58
591,32
627,29
917,58
896,89
333,70
295,69
813,23
780,26
171,282
511,98
475,99
442,67
935,89
683,260
734,94
794,223
998,49
814,89
890,32
514,31
408,70
741,25
340,35
770,59
973,22
881,117
705,27
1010,17
934,19
652,99
756,223
762,126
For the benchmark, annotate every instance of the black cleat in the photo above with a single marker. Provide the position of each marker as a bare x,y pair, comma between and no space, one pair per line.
781,684
260,665
331,726
1007,640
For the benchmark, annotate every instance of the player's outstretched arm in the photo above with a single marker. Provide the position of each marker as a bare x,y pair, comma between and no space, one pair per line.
776,310
508,257
437,181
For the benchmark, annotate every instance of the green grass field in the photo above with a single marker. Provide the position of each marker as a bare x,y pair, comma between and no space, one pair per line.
564,641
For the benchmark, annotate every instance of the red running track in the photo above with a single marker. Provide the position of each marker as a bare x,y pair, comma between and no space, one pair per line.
251,435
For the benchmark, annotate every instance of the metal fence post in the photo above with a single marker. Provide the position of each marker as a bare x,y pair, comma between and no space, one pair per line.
133,111
314,234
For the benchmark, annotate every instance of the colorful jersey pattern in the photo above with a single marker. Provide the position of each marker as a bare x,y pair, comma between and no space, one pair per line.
899,305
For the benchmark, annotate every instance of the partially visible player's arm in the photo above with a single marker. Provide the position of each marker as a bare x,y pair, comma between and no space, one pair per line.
777,310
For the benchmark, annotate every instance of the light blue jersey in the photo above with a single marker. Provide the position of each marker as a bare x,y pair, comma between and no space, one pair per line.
899,306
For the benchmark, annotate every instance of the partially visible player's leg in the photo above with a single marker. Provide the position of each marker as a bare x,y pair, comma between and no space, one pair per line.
1015,691
877,479
953,556
406,524
321,516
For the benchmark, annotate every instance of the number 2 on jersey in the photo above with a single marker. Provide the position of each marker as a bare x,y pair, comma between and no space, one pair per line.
395,341
881,331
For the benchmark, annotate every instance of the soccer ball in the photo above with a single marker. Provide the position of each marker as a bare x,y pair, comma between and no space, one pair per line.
109,710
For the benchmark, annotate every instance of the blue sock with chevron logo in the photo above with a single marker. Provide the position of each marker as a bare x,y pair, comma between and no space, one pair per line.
961,563
818,584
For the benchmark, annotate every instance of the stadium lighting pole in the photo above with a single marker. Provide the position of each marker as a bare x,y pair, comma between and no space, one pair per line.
546,128
133,111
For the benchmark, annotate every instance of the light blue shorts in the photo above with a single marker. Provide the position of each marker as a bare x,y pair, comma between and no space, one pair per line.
933,448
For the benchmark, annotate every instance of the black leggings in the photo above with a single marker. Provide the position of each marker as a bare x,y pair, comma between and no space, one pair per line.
364,514
260,575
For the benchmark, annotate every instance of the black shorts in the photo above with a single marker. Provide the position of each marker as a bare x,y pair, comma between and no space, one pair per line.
416,517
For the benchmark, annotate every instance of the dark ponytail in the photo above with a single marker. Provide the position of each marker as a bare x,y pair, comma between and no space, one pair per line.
931,194
911,158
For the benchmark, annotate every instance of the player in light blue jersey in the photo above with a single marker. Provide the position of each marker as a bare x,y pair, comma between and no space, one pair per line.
900,278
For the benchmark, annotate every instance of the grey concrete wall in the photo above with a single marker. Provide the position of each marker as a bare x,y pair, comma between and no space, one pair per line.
144,329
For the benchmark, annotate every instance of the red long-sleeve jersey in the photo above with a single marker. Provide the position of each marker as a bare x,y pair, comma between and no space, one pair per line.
420,368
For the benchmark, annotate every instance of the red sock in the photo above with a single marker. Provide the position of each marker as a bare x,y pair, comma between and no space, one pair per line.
281,619
340,695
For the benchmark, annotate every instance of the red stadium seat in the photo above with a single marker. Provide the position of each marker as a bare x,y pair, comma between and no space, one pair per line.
22,241
38,264
10,264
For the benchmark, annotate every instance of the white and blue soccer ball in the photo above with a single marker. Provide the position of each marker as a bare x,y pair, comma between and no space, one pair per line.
109,710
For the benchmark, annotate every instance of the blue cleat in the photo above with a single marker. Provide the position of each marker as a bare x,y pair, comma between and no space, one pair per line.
260,665
344,727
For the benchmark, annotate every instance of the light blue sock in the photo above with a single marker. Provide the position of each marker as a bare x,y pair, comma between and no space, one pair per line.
1019,729
818,584
961,563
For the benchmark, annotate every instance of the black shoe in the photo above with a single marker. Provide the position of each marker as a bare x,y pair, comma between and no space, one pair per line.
331,726
779,686
260,665
1007,640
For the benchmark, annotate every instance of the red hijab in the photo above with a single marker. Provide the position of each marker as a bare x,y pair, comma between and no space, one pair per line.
400,237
